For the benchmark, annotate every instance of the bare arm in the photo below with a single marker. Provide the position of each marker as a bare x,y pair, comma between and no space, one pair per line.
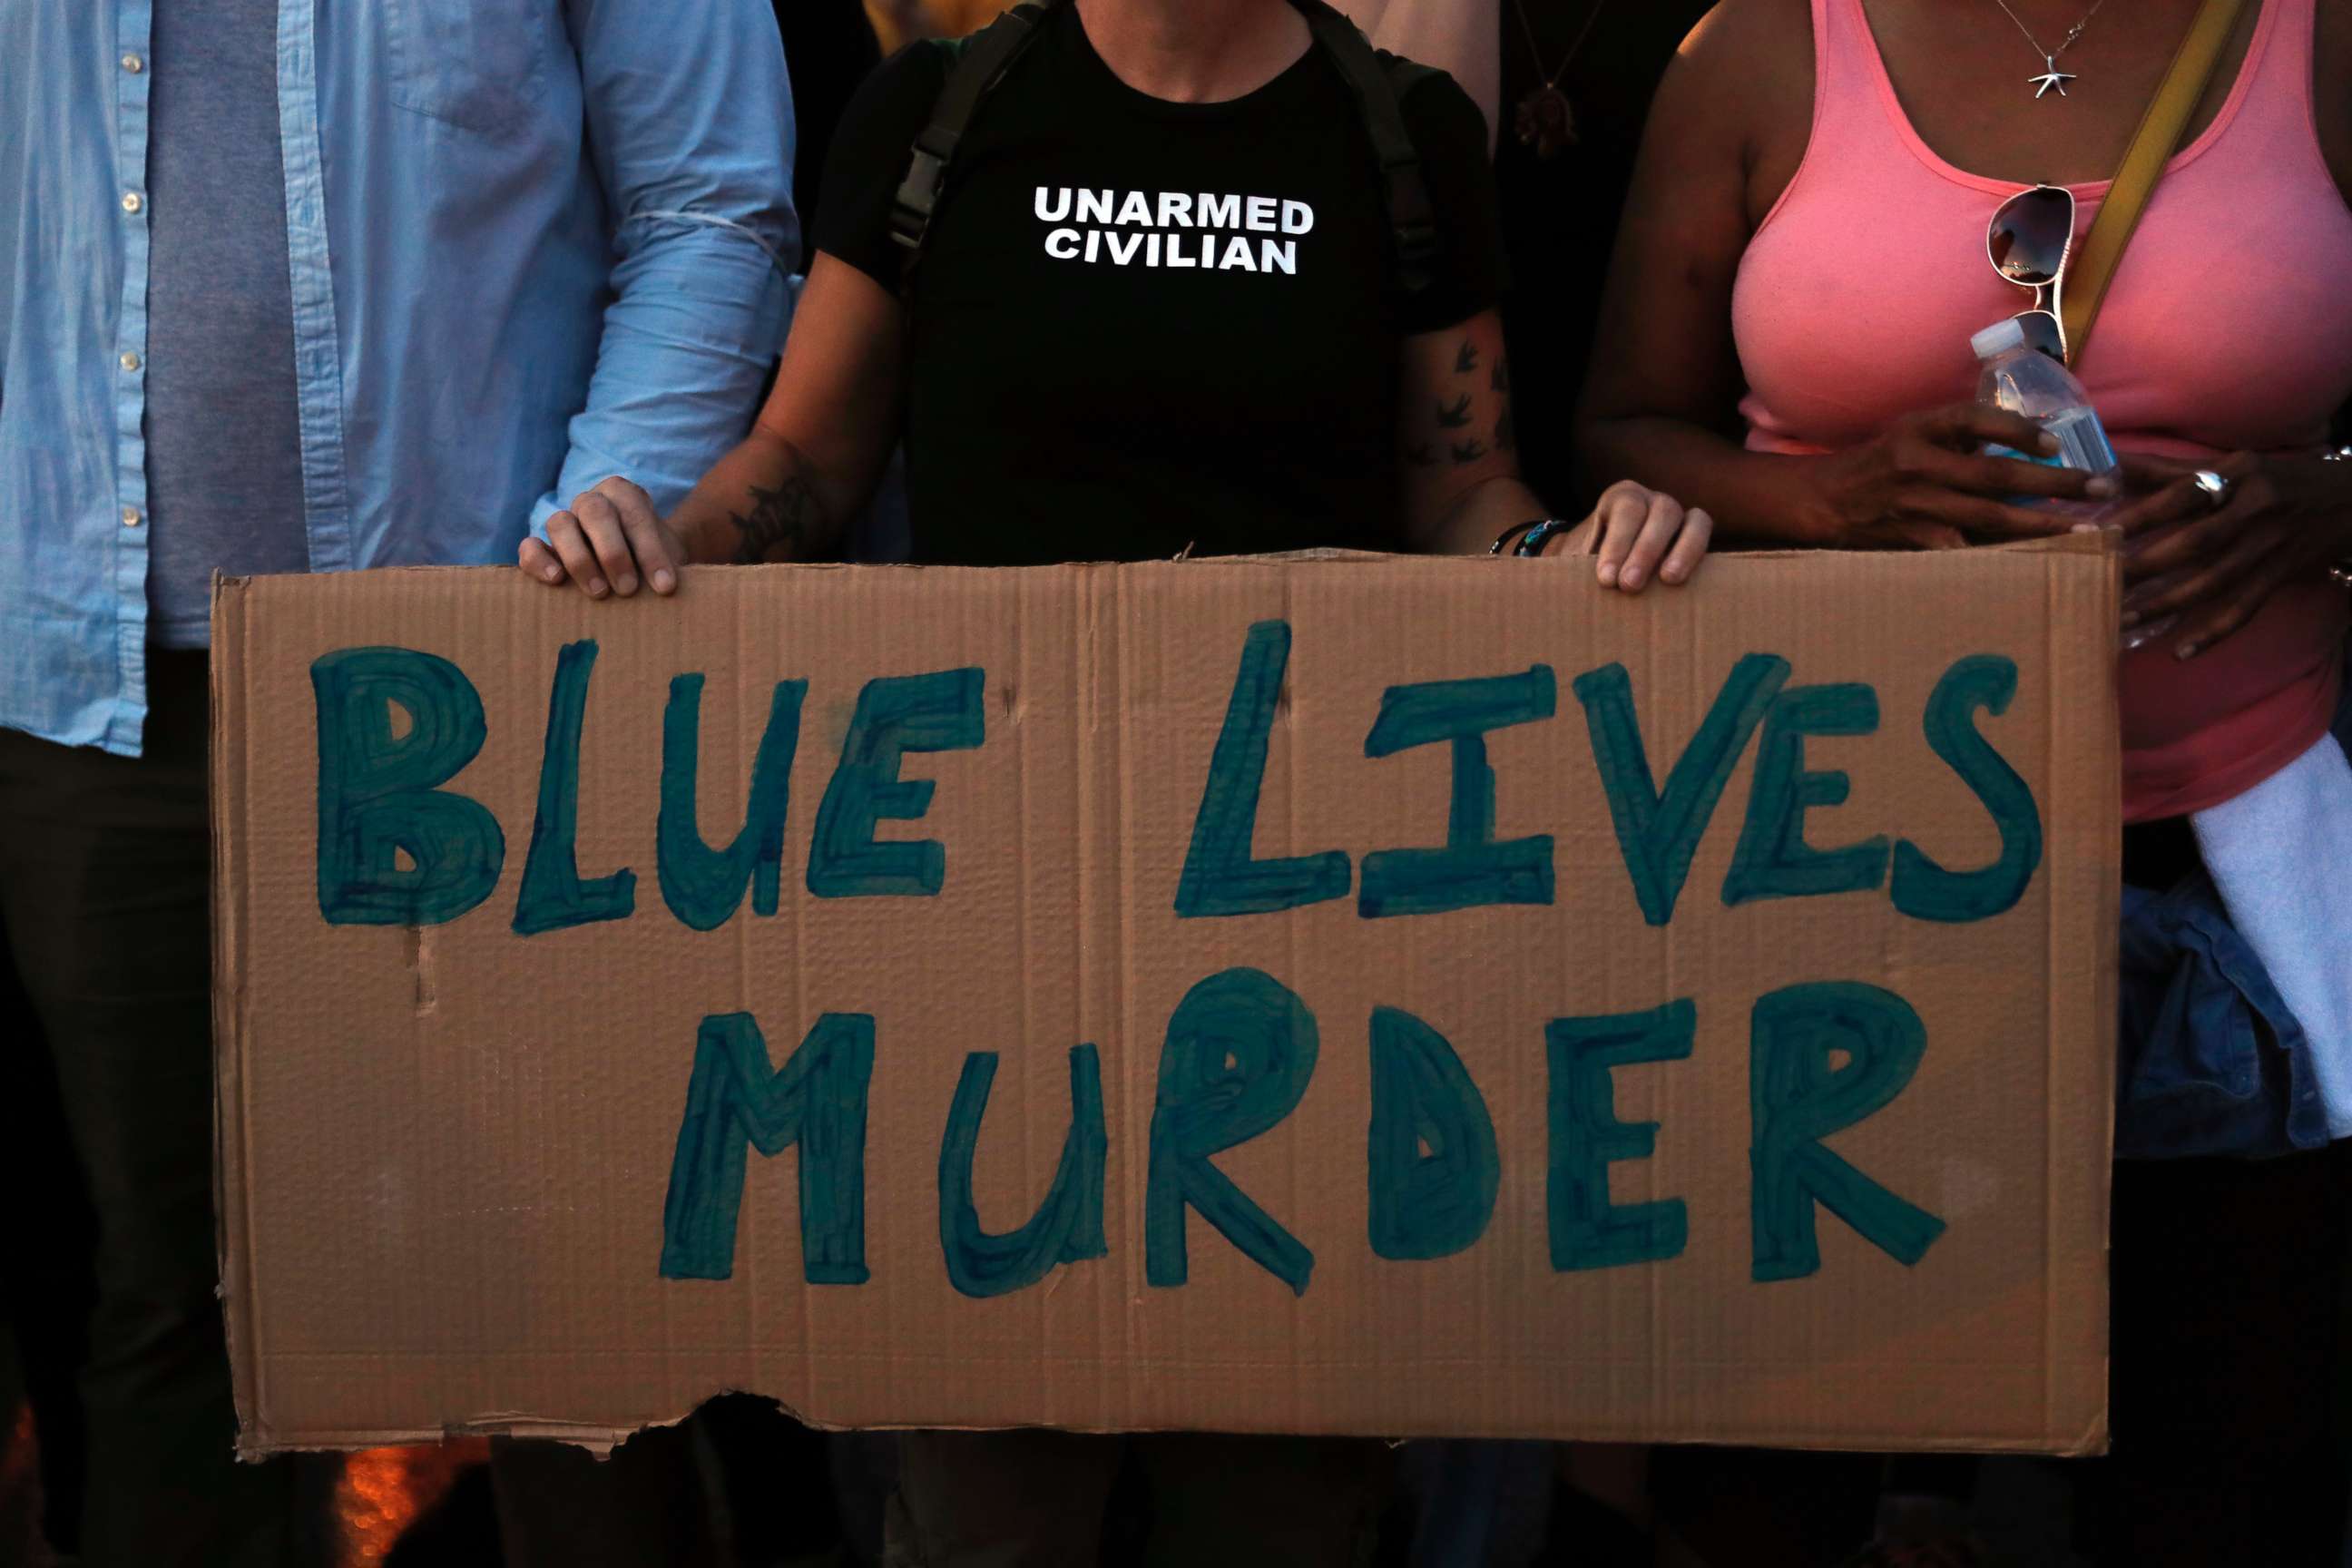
785,491
1459,453
1460,466
1666,375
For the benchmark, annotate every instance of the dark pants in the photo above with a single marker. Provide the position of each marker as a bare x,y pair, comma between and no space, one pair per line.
1036,1499
104,862
2231,1353
1765,1508
561,1507
2230,1371
46,1288
736,1482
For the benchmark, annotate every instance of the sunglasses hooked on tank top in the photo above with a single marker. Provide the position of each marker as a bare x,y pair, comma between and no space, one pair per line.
2028,242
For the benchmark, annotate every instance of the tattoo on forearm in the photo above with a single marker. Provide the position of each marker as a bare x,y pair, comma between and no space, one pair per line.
1507,435
1453,415
1468,451
1466,359
1421,454
780,516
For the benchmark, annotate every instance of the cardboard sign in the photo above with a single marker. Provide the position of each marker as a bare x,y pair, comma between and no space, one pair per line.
1349,995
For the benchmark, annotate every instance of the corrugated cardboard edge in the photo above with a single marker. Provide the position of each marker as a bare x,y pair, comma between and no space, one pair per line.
2095,1439
232,1226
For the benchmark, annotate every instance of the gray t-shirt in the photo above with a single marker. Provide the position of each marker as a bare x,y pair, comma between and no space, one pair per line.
224,448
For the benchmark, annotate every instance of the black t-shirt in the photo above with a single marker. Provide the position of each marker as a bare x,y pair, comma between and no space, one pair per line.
1139,326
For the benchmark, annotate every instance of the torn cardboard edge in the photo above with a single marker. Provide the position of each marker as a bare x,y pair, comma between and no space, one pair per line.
255,1447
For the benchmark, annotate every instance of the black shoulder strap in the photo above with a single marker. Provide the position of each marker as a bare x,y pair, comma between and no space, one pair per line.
1379,89
980,61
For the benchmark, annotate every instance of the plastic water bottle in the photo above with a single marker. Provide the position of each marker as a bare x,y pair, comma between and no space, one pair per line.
2025,381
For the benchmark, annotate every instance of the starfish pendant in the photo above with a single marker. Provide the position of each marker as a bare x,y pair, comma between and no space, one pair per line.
2049,78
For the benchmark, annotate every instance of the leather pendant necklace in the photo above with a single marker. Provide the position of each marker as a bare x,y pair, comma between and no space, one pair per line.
1545,121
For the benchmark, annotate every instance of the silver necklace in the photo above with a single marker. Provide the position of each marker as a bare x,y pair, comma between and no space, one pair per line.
2051,75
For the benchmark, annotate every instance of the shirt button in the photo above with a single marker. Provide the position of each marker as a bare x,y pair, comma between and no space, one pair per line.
133,64
131,202
129,517
129,361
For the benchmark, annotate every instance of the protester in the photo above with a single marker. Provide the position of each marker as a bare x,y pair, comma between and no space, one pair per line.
286,289
1161,305
1807,225
1017,455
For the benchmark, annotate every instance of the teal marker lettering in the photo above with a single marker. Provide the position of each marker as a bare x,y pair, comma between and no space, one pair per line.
736,1102
1438,1203
1799,1093
1586,1230
703,887
1658,832
938,711
1241,1047
380,800
553,897
1473,869
1221,876
1067,1226
1772,859
1926,891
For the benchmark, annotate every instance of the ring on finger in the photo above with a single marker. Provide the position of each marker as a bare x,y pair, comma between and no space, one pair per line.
2215,487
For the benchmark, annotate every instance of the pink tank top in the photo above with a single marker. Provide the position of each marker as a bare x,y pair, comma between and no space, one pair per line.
2227,326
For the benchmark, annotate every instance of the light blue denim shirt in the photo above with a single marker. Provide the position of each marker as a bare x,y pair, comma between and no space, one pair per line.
532,243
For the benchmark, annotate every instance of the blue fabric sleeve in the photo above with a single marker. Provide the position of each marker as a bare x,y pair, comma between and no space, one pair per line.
690,127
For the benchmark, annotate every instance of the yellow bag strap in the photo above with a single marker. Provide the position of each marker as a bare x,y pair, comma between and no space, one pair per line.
2152,146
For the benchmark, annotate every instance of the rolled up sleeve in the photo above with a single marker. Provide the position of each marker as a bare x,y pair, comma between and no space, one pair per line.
690,128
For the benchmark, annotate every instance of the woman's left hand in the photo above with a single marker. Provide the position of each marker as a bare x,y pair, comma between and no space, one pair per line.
1646,534
2198,571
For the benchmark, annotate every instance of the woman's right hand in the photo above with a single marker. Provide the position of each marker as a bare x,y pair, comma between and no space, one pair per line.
1924,483
609,541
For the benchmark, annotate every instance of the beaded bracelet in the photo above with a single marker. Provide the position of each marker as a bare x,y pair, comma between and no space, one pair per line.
1529,538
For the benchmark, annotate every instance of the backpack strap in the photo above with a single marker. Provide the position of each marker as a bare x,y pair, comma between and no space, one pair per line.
981,62
1379,89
